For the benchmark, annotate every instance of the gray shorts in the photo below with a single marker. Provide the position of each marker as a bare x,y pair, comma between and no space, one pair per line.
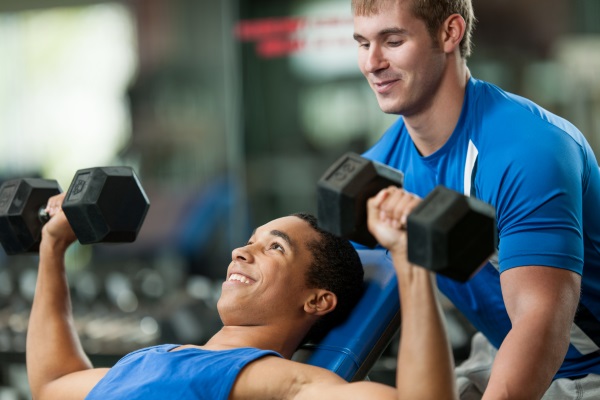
473,374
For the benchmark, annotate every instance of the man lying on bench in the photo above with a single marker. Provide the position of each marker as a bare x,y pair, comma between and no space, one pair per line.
289,278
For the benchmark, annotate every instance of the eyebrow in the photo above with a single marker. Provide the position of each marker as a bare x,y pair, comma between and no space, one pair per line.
285,237
383,32
291,243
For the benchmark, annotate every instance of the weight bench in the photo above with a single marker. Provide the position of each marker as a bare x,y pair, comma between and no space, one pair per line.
351,349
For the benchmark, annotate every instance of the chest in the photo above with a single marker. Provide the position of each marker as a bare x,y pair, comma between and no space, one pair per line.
453,166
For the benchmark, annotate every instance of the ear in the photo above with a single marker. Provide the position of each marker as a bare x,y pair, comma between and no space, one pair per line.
452,32
320,302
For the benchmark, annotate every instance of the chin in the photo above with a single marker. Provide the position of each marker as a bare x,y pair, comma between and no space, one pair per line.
390,109
389,105
397,107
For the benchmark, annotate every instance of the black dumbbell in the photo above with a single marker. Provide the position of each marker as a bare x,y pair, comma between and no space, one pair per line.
103,204
448,233
343,191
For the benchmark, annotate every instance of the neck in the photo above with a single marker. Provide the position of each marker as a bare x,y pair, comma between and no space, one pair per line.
261,337
431,128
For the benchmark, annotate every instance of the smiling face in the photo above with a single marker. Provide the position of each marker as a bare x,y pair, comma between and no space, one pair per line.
402,63
266,279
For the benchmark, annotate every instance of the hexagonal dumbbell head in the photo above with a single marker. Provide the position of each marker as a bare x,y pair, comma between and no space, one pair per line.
20,204
343,191
451,234
106,204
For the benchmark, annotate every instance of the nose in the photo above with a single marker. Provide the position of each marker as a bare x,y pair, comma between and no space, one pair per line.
242,254
375,60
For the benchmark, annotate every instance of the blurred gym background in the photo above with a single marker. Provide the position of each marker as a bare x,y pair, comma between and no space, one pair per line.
229,111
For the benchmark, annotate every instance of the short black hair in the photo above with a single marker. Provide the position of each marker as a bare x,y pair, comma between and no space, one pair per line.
336,267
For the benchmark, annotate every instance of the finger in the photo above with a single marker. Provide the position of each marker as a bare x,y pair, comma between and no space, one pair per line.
374,204
379,198
407,210
395,204
398,206
54,204
52,210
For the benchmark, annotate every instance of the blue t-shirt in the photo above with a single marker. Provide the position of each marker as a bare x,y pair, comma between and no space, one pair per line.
191,373
541,176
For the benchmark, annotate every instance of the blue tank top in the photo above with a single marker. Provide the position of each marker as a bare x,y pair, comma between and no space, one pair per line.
191,373
541,176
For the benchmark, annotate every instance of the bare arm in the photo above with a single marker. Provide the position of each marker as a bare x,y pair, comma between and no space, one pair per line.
541,303
425,361
53,347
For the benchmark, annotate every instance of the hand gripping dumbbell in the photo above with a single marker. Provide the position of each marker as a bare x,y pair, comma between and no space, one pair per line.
104,204
448,233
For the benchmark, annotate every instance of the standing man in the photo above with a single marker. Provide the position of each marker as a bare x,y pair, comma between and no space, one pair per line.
537,303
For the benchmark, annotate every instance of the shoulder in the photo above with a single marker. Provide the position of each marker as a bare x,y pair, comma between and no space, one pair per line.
514,116
515,134
275,377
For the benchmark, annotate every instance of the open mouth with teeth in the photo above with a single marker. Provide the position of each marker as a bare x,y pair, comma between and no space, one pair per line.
240,278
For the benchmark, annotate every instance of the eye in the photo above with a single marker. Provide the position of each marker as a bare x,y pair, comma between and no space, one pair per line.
394,40
363,45
277,246
248,243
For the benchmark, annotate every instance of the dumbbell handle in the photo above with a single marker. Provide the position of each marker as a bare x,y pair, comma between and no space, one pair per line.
43,215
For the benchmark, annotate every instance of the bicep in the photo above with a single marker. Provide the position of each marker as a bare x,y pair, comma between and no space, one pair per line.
541,294
343,390
364,390
273,377
74,386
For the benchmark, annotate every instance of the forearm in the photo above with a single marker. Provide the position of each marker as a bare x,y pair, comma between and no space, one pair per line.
527,361
425,361
53,347
425,364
